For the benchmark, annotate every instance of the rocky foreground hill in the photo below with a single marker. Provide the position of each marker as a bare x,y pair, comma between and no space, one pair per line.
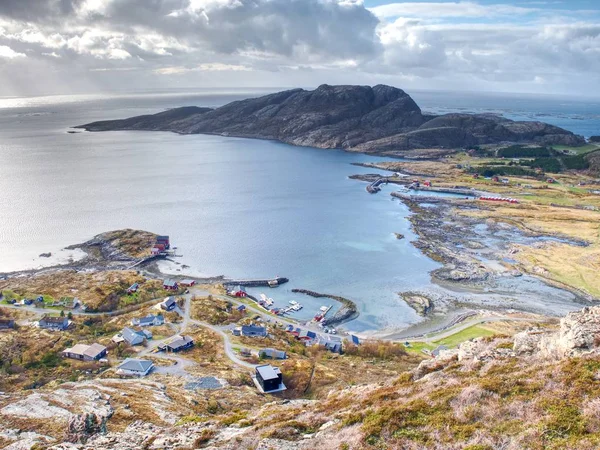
540,389
379,119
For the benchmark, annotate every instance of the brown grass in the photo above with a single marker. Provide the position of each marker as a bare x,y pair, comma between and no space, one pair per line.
100,291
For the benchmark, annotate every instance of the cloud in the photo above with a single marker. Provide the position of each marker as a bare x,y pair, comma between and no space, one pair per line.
209,67
428,43
446,10
9,53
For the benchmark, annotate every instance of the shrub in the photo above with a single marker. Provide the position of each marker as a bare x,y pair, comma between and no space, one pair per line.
519,151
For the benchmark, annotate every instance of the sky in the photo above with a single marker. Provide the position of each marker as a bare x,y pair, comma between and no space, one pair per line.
96,46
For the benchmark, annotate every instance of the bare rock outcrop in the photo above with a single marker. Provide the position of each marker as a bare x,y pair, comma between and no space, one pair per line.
578,334
82,426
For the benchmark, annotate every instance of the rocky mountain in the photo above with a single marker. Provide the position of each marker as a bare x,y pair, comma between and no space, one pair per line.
357,118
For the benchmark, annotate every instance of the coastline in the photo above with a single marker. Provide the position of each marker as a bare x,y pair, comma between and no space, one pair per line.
455,287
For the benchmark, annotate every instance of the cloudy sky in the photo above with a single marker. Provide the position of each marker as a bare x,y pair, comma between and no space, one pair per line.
65,46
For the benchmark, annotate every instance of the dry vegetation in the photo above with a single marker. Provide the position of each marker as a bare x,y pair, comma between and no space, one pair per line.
215,311
100,291
30,357
133,243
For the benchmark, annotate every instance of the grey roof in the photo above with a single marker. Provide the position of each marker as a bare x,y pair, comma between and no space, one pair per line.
308,334
88,350
52,319
94,350
135,365
253,329
130,335
169,301
268,372
150,319
180,342
272,353
169,283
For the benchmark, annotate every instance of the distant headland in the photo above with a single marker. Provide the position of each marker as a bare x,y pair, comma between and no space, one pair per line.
380,119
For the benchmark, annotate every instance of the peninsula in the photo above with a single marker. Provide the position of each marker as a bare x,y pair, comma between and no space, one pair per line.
380,119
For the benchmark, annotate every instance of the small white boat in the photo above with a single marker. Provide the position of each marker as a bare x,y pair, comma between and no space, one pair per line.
269,301
293,302
323,308
263,297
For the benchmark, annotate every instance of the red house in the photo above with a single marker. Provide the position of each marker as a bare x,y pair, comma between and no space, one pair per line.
164,240
238,291
170,285
187,283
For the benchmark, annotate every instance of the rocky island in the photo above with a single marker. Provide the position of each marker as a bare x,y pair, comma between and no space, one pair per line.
380,119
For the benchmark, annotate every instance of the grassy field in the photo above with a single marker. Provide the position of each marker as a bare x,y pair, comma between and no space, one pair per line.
454,340
579,150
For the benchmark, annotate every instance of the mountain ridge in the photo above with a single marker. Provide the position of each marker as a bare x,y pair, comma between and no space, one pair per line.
356,118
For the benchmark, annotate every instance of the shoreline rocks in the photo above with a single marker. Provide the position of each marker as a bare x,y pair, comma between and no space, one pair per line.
419,302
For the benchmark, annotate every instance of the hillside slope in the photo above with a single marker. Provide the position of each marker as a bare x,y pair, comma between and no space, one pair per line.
538,390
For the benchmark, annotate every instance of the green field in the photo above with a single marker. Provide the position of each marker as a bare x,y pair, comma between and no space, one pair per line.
578,150
454,340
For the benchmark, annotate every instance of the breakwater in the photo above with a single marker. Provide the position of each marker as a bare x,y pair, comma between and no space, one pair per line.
257,283
347,312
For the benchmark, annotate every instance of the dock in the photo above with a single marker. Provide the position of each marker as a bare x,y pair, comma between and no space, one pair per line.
374,188
322,313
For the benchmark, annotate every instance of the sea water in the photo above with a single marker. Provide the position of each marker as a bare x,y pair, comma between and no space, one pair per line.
235,207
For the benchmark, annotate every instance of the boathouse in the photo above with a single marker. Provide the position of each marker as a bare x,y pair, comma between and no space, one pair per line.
163,240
